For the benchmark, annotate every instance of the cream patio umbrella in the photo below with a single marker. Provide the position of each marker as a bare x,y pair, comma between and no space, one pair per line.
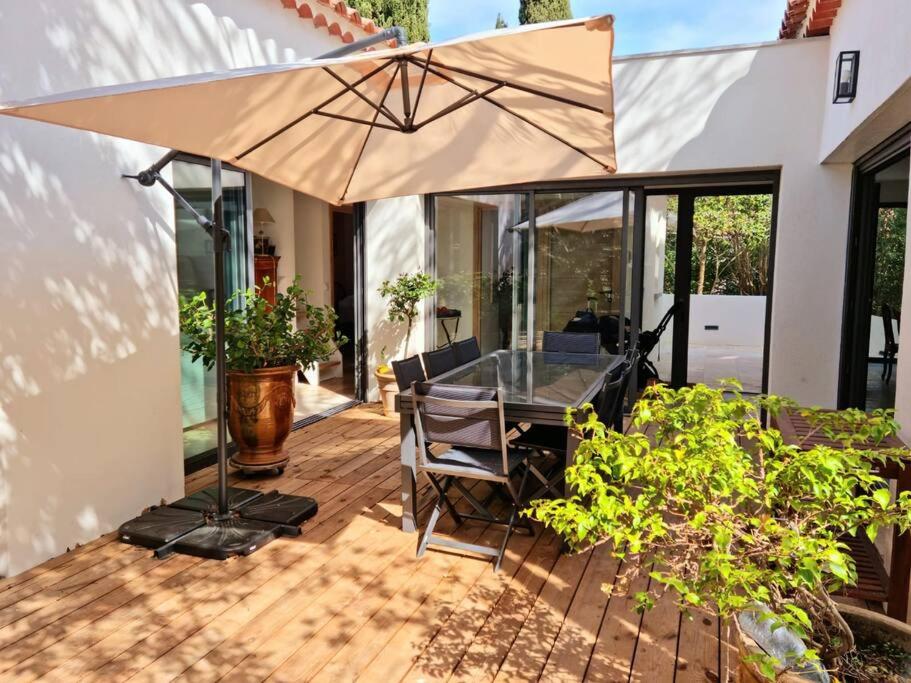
503,107
509,106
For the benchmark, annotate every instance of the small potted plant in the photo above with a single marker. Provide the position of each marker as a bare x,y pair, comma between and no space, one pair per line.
728,518
403,294
263,350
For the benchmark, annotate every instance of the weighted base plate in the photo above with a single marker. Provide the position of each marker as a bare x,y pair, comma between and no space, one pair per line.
280,508
159,526
220,540
206,500
190,526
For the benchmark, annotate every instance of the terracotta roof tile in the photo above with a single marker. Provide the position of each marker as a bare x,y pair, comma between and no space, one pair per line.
807,18
316,11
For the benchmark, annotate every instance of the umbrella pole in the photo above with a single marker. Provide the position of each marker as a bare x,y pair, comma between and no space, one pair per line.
219,522
220,245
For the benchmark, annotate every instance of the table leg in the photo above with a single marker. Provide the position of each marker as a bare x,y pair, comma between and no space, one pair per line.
409,478
900,567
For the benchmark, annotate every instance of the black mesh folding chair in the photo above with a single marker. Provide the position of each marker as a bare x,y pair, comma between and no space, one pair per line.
466,350
470,421
438,362
408,371
549,440
571,342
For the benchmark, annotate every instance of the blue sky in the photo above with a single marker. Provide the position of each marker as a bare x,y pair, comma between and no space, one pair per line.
642,25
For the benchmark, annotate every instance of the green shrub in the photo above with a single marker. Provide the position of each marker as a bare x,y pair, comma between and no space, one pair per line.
258,334
718,508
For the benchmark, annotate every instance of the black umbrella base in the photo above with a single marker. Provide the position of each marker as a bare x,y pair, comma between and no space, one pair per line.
191,526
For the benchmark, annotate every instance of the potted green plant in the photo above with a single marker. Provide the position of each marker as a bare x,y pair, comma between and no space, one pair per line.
403,294
264,349
725,515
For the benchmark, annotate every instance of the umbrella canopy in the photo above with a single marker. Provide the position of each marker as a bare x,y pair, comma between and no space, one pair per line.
504,107
598,211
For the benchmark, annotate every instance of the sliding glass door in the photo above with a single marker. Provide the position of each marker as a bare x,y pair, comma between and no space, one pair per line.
581,265
684,270
480,251
876,279
706,283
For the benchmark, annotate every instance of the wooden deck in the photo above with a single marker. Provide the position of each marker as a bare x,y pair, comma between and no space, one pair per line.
346,600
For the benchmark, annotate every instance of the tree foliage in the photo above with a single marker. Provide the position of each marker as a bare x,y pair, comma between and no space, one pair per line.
259,335
409,14
721,512
889,266
537,11
730,245
501,22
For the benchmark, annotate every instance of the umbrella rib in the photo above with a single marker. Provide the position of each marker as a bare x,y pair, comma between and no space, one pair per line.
348,86
522,118
351,119
516,86
376,115
465,101
310,113
417,101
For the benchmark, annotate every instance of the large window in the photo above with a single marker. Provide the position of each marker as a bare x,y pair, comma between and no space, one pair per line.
580,274
691,265
196,273
508,274
480,263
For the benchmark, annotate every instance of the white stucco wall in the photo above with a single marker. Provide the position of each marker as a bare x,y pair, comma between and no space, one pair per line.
395,243
279,200
313,247
879,29
90,424
748,108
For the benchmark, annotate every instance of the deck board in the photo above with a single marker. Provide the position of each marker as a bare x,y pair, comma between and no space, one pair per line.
347,600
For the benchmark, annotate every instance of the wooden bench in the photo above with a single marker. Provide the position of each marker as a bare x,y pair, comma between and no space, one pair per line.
874,583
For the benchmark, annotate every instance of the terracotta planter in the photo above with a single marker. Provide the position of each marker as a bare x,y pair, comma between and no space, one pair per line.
388,391
867,627
260,414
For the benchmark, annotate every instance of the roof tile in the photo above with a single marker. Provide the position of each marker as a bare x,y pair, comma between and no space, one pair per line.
310,10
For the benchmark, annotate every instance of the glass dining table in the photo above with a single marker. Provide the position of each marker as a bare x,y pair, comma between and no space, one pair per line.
537,388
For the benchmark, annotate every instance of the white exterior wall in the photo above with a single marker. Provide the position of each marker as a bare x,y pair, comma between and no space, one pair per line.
879,29
90,423
395,243
313,247
882,107
750,108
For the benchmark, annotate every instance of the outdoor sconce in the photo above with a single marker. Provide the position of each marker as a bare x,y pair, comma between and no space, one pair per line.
846,77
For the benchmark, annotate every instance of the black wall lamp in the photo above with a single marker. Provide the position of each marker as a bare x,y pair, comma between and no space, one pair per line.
846,76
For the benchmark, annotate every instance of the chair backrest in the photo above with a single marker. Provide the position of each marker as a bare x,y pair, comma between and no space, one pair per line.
461,416
438,362
613,395
466,350
408,371
889,333
571,342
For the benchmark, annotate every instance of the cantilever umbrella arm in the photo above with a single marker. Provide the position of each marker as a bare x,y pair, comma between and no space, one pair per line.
215,227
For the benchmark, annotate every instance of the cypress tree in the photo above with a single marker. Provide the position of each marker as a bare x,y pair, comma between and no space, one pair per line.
409,14
536,11
501,22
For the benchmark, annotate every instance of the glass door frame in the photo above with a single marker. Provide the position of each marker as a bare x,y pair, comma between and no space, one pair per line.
859,267
683,266
765,181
